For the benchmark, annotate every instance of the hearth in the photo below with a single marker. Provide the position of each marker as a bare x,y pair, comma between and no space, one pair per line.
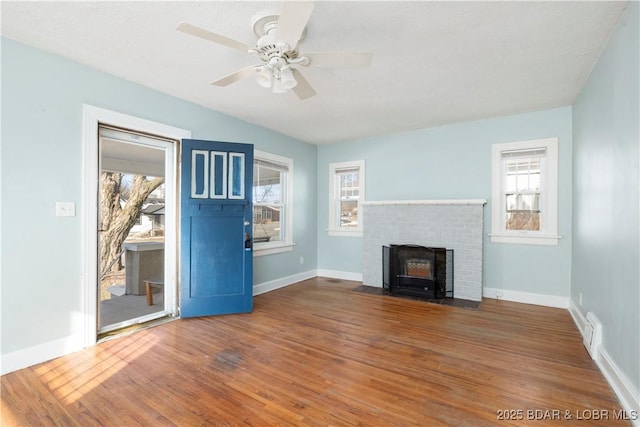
417,271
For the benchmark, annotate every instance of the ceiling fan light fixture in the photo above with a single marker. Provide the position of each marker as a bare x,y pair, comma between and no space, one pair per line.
278,87
287,79
264,77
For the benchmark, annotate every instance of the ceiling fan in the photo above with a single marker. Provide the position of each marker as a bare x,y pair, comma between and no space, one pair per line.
277,49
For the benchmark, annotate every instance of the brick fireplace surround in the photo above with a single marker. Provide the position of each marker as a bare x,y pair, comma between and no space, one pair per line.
451,224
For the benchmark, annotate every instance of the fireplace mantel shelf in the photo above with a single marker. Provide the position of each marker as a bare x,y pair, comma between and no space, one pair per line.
428,202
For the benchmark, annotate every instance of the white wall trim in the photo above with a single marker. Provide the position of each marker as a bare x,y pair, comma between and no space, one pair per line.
24,358
548,196
529,239
279,248
428,202
272,285
342,275
269,248
344,233
92,117
526,297
295,278
578,317
335,228
627,394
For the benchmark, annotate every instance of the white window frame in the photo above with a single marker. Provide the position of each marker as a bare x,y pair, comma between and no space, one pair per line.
334,222
548,233
285,245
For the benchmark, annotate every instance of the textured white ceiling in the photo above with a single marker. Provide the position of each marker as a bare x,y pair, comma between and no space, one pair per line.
433,62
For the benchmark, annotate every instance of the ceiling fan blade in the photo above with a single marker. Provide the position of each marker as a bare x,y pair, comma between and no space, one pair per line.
303,89
242,73
339,59
214,37
294,17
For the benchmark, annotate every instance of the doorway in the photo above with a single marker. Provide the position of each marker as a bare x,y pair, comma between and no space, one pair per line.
206,170
135,196
139,129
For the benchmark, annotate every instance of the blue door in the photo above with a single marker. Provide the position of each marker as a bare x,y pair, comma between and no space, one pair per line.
216,259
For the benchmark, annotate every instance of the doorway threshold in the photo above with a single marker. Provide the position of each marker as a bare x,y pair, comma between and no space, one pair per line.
129,329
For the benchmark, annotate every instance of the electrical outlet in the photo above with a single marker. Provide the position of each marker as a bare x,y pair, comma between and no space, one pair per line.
580,299
301,260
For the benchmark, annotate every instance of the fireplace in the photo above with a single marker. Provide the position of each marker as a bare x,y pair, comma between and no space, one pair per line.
417,271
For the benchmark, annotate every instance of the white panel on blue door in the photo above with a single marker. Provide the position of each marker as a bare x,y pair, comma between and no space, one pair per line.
218,175
236,175
199,174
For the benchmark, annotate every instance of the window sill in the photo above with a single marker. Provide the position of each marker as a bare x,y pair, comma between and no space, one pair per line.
540,240
272,248
345,233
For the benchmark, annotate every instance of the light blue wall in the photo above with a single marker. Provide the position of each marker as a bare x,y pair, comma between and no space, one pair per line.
454,162
42,101
606,189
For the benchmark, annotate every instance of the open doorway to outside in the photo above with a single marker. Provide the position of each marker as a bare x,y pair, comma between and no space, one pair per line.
135,205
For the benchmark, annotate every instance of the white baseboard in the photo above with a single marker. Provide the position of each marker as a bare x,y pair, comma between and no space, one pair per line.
40,353
627,394
578,317
526,297
342,275
271,285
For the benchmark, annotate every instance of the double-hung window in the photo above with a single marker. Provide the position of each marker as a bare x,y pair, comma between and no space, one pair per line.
346,187
525,192
272,208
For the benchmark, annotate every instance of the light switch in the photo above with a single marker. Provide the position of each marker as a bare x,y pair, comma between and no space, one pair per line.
65,209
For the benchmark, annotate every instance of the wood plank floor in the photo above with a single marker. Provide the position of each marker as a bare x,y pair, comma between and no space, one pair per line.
318,353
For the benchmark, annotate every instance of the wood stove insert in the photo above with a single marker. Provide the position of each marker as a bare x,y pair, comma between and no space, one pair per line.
418,271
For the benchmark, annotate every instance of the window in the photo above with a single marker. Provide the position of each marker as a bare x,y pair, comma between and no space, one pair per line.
346,187
272,219
525,192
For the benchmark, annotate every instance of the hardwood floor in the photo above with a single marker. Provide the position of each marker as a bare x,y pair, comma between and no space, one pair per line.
318,353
